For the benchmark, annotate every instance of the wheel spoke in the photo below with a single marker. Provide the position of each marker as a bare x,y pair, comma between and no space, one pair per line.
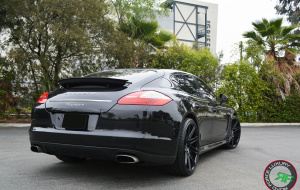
193,140
189,162
195,160
194,150
187,134
192,161
192,132
234,126
232,140
185,157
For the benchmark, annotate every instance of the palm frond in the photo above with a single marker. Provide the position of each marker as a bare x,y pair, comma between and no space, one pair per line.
254,36
295,44
146,28
165,35
266,22
293,37
286,30
269,32
276,24
250,34
258,26
292,50
155,41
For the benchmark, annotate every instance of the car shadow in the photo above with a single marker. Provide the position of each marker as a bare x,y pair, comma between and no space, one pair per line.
122,175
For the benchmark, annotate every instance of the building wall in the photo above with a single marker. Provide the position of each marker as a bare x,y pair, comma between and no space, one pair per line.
188,33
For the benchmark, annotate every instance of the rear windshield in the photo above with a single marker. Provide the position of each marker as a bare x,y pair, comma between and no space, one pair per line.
132,75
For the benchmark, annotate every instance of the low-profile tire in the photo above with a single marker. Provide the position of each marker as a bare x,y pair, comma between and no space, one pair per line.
188,150
70,159
235,134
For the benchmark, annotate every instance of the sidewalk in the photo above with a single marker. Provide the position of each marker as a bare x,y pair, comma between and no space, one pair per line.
270,124
242,124
14,125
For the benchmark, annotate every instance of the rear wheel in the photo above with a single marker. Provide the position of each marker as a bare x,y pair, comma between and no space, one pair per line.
235,134
70,159
188,150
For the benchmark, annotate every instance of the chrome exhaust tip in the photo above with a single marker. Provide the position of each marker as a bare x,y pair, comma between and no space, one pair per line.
127,159
36,148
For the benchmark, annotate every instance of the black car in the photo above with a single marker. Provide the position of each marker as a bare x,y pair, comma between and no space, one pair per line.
142,116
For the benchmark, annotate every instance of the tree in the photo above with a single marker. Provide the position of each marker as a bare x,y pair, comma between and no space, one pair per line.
182,57
125,10
147,38
137,18
290,8
244,87
277,39
51,39
7,99
148,31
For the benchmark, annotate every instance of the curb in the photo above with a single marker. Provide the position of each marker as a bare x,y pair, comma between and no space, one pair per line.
19,125
270,124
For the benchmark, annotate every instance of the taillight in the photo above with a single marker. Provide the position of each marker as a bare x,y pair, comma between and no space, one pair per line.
150,98
43,98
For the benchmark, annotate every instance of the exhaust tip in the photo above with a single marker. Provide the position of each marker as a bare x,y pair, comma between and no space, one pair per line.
36,149
127,159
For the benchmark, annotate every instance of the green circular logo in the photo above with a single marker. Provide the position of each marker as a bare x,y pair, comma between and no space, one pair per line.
280,175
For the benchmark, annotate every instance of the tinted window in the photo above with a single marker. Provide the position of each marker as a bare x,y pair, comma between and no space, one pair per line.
194,86
185,83
204,91
132,75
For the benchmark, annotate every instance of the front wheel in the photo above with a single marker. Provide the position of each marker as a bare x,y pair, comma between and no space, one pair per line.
188,150
235,135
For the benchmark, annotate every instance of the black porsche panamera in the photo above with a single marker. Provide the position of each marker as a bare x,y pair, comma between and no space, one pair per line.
141,116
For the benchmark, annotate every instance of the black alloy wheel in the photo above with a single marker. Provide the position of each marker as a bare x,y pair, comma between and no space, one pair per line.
234,137
188,150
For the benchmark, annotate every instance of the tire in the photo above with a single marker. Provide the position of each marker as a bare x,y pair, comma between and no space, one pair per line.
235,135
70,159
188,150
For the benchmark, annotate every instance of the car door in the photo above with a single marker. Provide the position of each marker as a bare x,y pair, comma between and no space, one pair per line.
199,105
220,123
221,119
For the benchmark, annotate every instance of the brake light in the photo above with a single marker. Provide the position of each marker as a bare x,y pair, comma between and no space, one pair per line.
150,98
43,98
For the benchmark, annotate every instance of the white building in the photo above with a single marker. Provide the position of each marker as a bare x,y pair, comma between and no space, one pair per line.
193,21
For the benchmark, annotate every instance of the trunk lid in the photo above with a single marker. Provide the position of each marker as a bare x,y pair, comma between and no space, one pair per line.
86,95
97,92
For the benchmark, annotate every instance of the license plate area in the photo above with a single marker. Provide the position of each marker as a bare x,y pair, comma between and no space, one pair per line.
75,121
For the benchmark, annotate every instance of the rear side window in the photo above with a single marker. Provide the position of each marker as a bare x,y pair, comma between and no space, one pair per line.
204,90
132,75
193,86
185,83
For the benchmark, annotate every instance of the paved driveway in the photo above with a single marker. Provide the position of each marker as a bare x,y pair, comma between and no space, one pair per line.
241,168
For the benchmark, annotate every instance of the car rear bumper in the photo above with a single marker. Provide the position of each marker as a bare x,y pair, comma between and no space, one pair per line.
104,144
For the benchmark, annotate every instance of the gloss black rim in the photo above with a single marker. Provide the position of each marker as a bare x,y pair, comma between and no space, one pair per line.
235,133
191,144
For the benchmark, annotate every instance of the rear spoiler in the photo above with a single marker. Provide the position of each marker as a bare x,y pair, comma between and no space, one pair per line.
70,82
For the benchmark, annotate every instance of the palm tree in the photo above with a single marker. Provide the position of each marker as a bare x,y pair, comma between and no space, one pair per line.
148,38
277,39
148,31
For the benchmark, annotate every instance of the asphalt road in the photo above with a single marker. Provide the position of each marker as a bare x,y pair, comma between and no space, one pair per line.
241,168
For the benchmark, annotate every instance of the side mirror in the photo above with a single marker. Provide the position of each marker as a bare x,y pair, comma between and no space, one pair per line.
223,98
